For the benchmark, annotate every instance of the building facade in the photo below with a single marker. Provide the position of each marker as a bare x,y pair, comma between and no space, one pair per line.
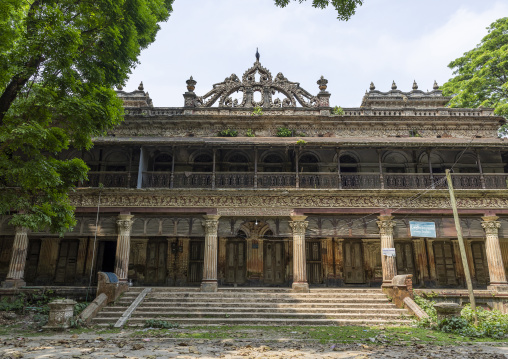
260,183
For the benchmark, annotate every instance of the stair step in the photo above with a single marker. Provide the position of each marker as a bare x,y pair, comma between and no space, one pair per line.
167,310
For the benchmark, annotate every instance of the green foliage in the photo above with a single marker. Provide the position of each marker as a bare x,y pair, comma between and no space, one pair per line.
428,307
59,61
250,133
301,142
491,323
162,324
345,8
337,110
258,111
284,132
481,73
228,133
79,307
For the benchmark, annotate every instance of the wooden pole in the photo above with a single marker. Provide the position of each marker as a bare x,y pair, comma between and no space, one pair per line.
461,245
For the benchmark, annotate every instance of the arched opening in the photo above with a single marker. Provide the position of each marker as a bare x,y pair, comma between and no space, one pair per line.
162,163
203,163
348,164
308,163
237,163
273,163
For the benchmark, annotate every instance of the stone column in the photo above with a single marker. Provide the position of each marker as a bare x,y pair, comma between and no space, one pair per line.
386,225
209,283
15,276
123,246
496,267
298,225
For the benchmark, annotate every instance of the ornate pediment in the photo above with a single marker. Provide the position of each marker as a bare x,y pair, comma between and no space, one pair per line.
275,92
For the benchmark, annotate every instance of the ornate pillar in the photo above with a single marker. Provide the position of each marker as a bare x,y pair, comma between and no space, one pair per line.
496,267
15,276
386,225
209,283
123,246
298,225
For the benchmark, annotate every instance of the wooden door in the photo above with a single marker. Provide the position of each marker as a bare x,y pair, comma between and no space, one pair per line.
480,263
404,258
313,257
32,260
354,272
156,259
445,266
196,260
66,263
273,262
235,262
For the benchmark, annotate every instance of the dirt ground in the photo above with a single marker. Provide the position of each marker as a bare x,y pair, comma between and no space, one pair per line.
123,345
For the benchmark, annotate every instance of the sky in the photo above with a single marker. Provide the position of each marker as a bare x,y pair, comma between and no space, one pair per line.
385,41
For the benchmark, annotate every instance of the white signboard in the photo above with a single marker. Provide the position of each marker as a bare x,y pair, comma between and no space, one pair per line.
389,252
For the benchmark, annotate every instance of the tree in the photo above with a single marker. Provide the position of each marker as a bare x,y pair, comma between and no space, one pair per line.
481,75
59,63
345,8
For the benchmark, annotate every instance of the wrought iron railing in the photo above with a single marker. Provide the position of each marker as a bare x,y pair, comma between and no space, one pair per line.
292,180
111,179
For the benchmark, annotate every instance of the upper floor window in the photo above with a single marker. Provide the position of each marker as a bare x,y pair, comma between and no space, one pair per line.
203,163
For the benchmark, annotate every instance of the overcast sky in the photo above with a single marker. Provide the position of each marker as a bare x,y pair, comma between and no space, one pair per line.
401,40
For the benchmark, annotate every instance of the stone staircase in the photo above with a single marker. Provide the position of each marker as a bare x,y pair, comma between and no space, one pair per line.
258,306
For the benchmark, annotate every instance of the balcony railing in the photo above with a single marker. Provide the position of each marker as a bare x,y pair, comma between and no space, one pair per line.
292,180
111,179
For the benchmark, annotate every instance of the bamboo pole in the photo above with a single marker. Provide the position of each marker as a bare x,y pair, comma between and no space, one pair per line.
461,245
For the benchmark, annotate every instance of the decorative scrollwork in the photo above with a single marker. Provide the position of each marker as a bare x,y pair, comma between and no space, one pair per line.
256,79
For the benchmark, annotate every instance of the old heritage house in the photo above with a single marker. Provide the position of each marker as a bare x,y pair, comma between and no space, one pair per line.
261,183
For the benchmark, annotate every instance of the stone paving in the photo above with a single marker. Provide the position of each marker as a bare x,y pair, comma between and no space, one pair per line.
123,345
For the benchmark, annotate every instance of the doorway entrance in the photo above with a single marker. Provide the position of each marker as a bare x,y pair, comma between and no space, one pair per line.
273,263
354,272
314,267
445,266
481,269
156,259
67,260
196,260
235,261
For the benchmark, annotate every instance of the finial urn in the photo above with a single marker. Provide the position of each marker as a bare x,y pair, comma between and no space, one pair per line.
140,87
372,87
415,85
322,82
191,84
436,86
394,85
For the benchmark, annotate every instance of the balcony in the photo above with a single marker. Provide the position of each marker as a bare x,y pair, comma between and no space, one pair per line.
266,180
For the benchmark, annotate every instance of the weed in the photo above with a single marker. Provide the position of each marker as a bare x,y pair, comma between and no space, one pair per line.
258,111
337,110
284,132
250,133
228,133
162,324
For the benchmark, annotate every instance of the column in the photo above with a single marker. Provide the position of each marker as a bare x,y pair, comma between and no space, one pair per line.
18,260
123,246
209,283
380,163
386,225
495,262
298,225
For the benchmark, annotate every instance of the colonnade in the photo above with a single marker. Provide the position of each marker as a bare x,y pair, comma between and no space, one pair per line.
298,224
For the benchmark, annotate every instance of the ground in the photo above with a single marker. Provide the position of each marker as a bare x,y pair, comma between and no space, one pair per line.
19,341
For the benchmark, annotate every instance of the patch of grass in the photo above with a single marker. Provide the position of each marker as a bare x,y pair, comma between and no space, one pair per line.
323,334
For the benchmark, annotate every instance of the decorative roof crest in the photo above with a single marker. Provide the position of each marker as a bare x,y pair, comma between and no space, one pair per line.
259,79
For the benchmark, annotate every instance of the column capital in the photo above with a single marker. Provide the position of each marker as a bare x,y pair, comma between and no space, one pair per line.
124,223
211,224
298,226
386,224
491,225
21,230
